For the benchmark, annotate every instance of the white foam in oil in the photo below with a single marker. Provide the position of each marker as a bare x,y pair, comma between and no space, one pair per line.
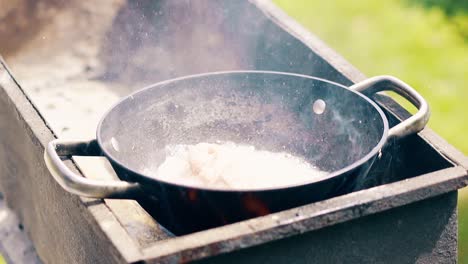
232,166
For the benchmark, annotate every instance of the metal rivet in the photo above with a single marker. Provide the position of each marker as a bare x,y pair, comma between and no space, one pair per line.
319,106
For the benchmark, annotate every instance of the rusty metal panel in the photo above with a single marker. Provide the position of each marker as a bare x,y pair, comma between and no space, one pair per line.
61,226
422,232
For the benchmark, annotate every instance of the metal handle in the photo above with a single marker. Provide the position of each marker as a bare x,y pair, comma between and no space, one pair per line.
76,184
413,124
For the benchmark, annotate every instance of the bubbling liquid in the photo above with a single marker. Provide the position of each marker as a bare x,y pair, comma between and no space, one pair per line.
232,166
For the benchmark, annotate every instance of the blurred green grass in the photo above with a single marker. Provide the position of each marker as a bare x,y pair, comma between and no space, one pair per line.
414,40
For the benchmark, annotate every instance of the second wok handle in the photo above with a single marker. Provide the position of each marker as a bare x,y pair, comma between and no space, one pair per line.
413,124
76,184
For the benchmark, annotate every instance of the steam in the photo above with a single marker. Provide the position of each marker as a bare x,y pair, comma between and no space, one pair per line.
152,41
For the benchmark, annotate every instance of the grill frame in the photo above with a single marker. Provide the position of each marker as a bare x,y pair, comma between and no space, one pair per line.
113,225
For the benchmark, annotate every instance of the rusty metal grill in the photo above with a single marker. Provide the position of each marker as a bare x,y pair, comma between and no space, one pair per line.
404,212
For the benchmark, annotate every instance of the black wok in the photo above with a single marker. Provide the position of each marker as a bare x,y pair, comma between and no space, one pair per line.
336,128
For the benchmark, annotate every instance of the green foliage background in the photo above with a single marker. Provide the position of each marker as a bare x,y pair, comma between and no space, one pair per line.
423,42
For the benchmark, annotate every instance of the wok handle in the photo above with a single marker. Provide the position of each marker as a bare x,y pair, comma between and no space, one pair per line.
77,184
413,124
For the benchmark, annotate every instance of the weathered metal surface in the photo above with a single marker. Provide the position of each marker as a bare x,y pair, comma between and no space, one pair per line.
51,216
58,74
140,226
417,233
15,246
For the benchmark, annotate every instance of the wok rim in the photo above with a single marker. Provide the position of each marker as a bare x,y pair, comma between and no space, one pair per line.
334,174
